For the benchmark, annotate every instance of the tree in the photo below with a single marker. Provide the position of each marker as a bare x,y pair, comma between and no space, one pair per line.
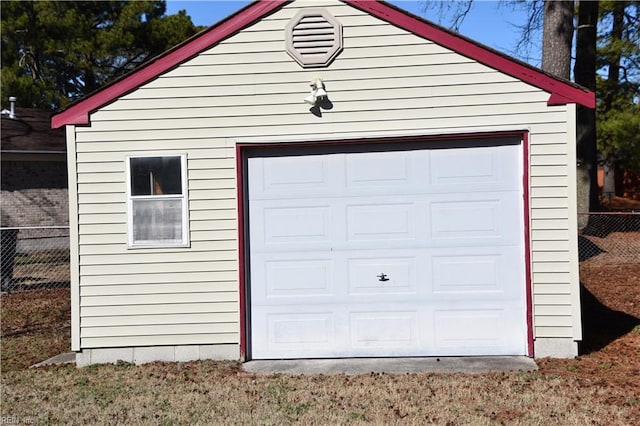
557,38
558,30
618,88
54,52
458,11
585,74
556,59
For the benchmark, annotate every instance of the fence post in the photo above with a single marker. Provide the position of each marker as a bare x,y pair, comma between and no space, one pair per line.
9,240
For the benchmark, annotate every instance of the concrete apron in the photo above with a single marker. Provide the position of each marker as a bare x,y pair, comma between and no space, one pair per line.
352,366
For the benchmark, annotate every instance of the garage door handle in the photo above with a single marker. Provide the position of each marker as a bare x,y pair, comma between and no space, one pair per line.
383,277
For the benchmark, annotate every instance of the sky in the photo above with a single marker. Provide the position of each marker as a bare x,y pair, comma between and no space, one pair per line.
488,22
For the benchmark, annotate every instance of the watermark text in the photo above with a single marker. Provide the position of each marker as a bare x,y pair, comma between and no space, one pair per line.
17,420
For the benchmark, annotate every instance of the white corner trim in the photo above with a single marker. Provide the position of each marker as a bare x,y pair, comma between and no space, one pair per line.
574,265
74,249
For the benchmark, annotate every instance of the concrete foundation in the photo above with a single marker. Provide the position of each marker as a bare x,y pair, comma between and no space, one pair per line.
145,354
555,347
351,366
544,347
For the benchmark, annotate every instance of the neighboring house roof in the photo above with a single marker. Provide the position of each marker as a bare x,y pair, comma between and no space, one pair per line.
30,132
561,91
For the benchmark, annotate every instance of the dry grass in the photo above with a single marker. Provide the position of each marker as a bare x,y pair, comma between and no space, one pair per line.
221,393
602,386
35,326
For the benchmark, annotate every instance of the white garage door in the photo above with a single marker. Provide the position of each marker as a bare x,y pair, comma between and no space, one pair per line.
411,252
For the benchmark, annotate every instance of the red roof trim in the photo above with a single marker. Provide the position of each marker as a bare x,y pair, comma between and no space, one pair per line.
561,92
78,113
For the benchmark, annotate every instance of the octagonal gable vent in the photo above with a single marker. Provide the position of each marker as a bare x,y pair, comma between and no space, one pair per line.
314,38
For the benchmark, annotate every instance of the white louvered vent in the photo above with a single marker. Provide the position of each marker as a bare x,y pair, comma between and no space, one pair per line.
314,38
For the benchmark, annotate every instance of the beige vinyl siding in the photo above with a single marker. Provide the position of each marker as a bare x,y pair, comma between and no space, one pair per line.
161,278
385,82
130,288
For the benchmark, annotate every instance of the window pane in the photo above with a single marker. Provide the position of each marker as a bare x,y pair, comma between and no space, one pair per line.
156,176
157,221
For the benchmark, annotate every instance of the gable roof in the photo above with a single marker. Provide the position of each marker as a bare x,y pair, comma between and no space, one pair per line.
561,91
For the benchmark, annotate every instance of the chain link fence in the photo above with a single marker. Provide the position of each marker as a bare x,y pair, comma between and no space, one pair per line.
38,257
609,239
34,257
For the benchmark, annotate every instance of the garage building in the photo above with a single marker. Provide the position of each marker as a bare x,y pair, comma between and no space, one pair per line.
324,179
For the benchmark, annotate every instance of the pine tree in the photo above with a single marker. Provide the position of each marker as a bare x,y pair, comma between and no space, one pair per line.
56,51
618,86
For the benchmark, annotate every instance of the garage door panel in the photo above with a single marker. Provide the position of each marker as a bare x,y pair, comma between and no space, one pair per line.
381,221
465,220
304,278
489,218
296,224
394,253
476,273
466,170
373,169
462,331
372,173
293,332
292,224
465,273
293,176
382,276
286,173
442,222
384,330
298,278
475,331
464,166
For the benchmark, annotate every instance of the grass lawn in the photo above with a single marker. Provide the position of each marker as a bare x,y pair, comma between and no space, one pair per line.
222,393
600,387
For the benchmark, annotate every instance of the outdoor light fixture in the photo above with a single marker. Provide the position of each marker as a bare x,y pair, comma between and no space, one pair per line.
318,92
311,99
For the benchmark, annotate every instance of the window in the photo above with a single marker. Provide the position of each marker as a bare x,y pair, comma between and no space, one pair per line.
157,201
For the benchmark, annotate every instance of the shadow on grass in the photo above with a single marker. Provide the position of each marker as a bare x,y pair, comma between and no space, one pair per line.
601,325
602,225
587,249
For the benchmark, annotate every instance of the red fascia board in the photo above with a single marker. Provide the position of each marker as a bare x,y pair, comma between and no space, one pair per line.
561,92
78,113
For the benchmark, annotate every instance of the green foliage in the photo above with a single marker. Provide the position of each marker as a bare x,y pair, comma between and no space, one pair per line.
54,52
618,85
619,134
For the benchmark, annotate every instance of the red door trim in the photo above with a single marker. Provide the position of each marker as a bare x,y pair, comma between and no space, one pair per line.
241,149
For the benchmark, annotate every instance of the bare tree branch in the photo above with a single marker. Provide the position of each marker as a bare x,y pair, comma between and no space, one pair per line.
463,11
530,31
458,11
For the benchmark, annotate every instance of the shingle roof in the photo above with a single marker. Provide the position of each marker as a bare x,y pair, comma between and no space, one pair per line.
30,131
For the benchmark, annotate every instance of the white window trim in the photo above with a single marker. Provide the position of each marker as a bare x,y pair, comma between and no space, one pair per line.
184,197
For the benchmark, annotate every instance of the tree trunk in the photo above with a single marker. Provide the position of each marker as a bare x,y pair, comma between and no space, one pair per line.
557,38
613,76
608,181
585,75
